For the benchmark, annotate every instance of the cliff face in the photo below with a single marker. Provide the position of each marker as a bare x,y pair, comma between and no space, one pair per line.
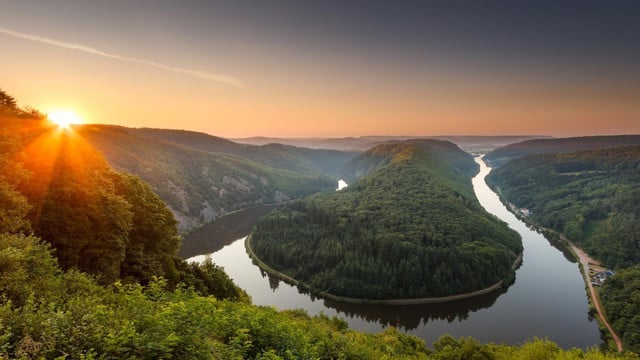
209,177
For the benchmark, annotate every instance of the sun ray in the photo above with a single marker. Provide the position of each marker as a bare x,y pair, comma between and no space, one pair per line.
64,118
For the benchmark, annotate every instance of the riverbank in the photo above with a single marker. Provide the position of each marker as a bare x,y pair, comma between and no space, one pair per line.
584,260
394,302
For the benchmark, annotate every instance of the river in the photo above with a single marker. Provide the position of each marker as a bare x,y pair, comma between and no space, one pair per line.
547,300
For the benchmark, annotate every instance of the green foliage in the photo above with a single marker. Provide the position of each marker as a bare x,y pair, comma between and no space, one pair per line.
591,197
412,228
68,315
46,313
108,224
153,239
621,297
13,205
76,208
27,269
207,279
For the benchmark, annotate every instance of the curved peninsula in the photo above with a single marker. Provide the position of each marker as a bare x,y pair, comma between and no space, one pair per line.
412,301
410,229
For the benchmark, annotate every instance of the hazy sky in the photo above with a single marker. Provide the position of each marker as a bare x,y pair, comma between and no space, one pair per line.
330,68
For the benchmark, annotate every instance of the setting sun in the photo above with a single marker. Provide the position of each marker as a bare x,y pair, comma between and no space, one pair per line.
64,118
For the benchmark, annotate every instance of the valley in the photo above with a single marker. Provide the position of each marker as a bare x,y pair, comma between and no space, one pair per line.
320,180
524,308
112,236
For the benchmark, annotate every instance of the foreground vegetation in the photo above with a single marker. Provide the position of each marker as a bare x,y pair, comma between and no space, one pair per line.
411,229
592,198
621,298
53,312
48,313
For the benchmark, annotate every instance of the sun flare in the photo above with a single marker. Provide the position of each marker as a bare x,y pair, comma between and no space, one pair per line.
64,118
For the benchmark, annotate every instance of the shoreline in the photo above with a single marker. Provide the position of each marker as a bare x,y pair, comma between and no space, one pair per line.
583,260
394,302
595,299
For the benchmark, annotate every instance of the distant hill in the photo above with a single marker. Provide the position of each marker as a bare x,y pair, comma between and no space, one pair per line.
272,154
501,155
202,177
470,143
411,227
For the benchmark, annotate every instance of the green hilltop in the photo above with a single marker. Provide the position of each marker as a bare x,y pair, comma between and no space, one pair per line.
411,228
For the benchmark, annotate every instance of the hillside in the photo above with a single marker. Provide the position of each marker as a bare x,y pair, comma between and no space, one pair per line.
591,197
363,143
201,181
275,155
111,225
502,155
411,228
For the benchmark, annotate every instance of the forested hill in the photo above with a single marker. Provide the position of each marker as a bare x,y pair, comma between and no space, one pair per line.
446,155
111,225
202,177
279,156
411,228
592,197
502,155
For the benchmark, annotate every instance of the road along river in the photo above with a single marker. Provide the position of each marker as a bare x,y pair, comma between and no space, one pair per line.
547,300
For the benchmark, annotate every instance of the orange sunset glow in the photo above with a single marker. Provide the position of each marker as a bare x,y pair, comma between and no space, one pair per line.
64,118
262,74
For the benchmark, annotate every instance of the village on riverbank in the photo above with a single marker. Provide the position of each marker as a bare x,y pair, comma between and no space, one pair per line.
599,276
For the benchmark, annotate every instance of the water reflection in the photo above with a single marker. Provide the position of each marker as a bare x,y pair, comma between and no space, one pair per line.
404,317
223,231
409,317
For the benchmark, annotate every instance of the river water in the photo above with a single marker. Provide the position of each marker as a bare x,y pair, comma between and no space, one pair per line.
547,300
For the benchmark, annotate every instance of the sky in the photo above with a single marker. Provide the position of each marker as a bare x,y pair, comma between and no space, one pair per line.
330,68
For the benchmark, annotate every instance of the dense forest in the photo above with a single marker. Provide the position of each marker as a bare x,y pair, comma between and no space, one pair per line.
77,311
621,297
108,224
592,198
411,228
202,177
504,154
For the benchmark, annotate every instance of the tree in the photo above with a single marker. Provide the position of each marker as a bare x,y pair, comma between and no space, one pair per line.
7,102
153,239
